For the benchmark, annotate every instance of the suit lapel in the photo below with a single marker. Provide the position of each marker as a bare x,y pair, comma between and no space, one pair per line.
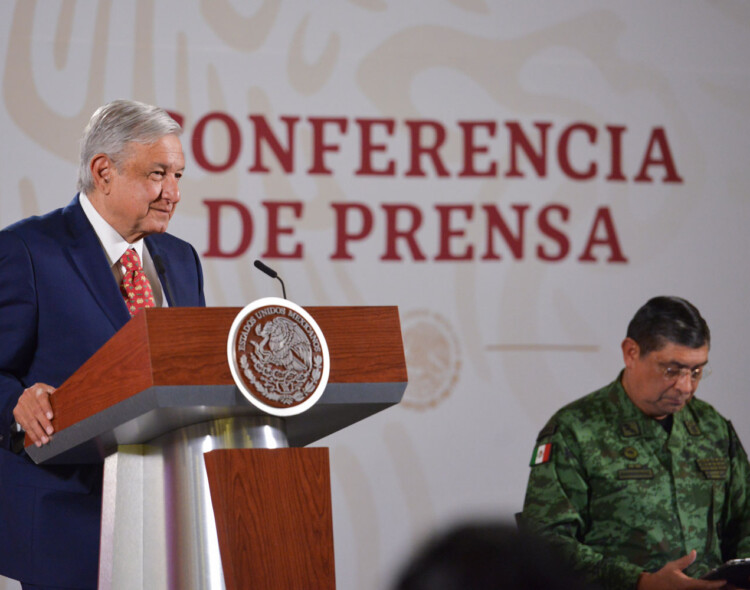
90,261
155,245
154,250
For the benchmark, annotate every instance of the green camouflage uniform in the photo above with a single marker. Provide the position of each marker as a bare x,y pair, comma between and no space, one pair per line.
619,495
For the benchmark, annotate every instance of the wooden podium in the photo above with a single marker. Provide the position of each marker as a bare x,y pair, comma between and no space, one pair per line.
201,488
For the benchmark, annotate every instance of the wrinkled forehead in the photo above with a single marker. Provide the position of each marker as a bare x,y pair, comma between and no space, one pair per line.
166,152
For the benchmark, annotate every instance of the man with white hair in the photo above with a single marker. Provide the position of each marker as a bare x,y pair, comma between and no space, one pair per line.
68,281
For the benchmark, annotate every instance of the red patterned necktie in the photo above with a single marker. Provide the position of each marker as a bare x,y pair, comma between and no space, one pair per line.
135,288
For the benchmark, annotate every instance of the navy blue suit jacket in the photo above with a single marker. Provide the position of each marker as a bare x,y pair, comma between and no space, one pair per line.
59,302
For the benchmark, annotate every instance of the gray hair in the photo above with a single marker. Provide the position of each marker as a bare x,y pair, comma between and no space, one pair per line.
116,124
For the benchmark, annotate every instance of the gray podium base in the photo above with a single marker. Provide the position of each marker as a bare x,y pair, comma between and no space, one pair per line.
158,528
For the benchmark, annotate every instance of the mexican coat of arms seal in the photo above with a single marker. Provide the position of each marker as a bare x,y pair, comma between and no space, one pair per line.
278,356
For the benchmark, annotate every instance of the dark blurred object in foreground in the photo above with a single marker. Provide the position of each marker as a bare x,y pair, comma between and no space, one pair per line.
484,556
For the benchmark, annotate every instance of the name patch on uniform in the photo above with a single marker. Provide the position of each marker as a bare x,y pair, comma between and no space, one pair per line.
635,473
631,428
542,454
713,467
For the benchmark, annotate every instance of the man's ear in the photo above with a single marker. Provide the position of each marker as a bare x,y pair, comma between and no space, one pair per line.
631,352
102,170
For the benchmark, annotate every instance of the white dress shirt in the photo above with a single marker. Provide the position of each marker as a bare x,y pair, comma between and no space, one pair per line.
114,246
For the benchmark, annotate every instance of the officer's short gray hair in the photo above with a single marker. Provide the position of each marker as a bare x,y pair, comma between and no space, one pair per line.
116,124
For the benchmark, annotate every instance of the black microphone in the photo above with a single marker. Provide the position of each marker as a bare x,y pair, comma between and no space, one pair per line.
271,273
162,270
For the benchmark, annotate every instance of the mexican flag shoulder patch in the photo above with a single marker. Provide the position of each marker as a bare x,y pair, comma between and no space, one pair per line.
542,454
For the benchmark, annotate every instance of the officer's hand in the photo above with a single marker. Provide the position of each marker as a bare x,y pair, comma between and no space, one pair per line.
34,412
671,577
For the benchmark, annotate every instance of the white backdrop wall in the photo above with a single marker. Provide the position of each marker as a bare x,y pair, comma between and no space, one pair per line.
518,177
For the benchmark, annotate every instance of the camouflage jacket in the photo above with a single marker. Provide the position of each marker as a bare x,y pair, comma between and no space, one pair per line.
618,495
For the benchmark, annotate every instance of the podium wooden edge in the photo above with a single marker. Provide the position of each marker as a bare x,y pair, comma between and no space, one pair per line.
368,374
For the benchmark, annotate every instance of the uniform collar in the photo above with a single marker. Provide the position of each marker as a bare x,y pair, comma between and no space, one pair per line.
630,412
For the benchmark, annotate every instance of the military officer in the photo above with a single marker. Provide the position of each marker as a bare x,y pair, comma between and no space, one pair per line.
640,484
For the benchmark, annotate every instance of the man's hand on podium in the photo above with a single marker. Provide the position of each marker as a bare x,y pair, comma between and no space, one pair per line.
33,413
